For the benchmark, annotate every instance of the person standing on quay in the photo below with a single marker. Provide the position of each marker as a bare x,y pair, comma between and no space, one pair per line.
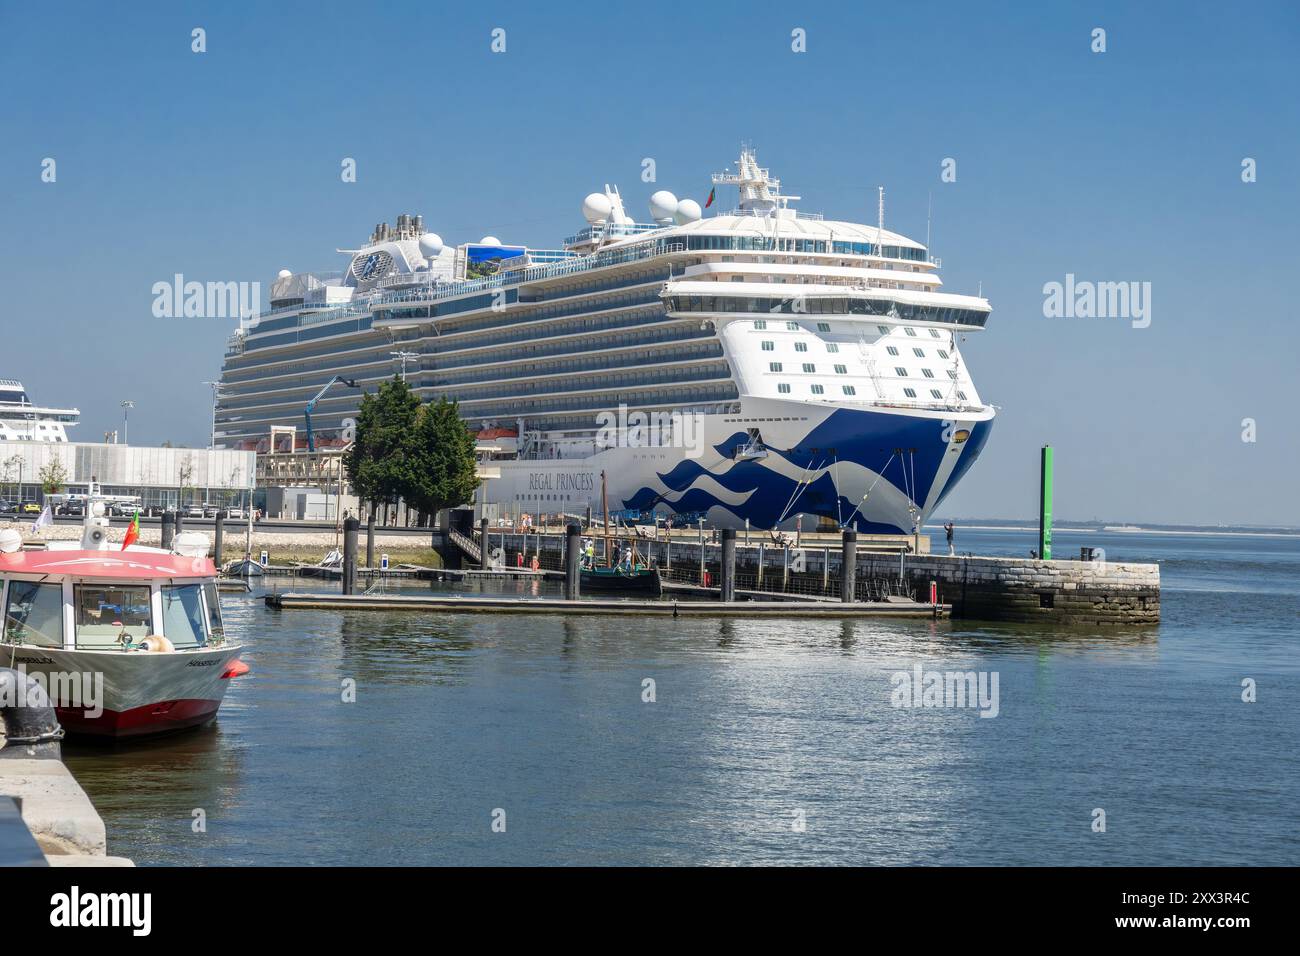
948,529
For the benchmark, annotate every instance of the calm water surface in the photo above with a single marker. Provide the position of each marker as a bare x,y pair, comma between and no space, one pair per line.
542,717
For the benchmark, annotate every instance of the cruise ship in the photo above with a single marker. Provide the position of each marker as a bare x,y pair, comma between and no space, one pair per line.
21,420
760,367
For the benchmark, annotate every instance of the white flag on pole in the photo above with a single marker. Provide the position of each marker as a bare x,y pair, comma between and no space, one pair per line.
44,519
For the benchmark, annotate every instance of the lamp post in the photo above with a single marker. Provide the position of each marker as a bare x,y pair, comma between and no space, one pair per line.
126,412
405,357
212,446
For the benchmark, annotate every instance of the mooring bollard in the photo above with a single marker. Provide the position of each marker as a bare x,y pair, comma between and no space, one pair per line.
482,544
849,567
168,529
727,579
218,536
179,518
572,551
350,528
370,540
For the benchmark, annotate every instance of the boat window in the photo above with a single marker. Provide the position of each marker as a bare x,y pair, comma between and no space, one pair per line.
183,615
35,614
216,632
105,612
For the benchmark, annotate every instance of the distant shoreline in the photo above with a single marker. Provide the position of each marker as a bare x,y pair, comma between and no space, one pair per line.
1135,530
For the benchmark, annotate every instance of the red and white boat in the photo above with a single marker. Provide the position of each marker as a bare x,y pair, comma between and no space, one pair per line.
128,641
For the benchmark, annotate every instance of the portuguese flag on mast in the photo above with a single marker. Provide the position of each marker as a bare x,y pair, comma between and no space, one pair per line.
709,202
132,532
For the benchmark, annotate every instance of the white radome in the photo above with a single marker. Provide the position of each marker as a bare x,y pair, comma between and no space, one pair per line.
282,274
489,241
597,207
663,205
688,210
431,245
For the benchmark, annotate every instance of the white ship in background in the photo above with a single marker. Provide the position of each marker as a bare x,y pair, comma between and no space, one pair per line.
756,365
21,420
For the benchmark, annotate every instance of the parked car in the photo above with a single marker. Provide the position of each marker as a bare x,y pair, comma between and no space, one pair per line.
195,511
32,508
8,507
237,513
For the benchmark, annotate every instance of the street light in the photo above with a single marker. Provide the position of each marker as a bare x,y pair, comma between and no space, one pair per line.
207,491
126,412
405,357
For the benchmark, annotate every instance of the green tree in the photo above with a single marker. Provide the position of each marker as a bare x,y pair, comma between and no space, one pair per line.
53,476
447,470
383,459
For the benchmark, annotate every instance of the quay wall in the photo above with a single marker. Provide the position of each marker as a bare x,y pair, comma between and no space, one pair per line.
1027,590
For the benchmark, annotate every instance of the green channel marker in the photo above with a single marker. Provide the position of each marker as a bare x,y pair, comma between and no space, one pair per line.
1045,506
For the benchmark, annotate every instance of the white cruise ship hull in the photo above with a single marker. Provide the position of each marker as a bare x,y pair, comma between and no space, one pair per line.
871,469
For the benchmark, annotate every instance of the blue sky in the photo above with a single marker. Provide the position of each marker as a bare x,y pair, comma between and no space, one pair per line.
1115,166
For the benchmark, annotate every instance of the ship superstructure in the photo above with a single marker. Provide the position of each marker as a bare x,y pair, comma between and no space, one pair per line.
23,420
756,365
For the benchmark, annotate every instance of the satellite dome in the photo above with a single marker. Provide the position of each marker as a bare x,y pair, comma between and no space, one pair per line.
688,210
283,274
431,245
662,205
489,241
596,207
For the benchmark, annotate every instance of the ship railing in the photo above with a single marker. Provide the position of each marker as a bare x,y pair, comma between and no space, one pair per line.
598,260
767,213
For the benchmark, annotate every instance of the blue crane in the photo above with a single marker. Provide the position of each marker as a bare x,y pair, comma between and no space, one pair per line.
311,436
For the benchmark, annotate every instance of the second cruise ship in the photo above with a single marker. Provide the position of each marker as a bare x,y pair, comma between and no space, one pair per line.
760,365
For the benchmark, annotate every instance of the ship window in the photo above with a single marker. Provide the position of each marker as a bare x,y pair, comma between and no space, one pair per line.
760,323
783,388
823,326
801,346
841,370
792,326
911,332
216,632
910,392
35,614
183,615
849,390
809,367
884,329
105,612
919,353
934,333
769,347
774,366
952,375
962,396
891,350
902,372
943,354
927,373
936,393
832,347
817,390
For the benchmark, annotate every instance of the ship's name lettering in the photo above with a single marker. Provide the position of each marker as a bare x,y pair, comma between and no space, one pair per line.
561,481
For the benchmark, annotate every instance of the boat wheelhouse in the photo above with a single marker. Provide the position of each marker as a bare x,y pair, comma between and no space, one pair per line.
126,642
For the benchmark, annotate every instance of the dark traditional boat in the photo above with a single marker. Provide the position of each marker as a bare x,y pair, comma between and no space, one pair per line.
616,580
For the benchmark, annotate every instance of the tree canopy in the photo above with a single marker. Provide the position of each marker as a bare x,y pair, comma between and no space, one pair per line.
423,454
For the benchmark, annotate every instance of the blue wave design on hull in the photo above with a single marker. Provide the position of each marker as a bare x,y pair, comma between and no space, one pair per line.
849,435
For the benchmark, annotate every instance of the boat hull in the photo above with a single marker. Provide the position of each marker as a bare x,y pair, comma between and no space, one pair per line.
615,582
874,470
129,694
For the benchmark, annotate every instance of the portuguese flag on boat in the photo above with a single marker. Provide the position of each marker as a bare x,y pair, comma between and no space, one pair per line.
709,202
132,532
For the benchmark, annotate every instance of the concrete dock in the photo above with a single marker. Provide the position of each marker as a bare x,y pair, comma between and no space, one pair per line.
66,827
469,604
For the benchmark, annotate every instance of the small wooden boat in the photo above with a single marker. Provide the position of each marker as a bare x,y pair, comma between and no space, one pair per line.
616,580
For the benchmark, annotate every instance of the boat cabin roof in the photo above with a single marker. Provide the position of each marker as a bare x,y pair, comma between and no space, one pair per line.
142,563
